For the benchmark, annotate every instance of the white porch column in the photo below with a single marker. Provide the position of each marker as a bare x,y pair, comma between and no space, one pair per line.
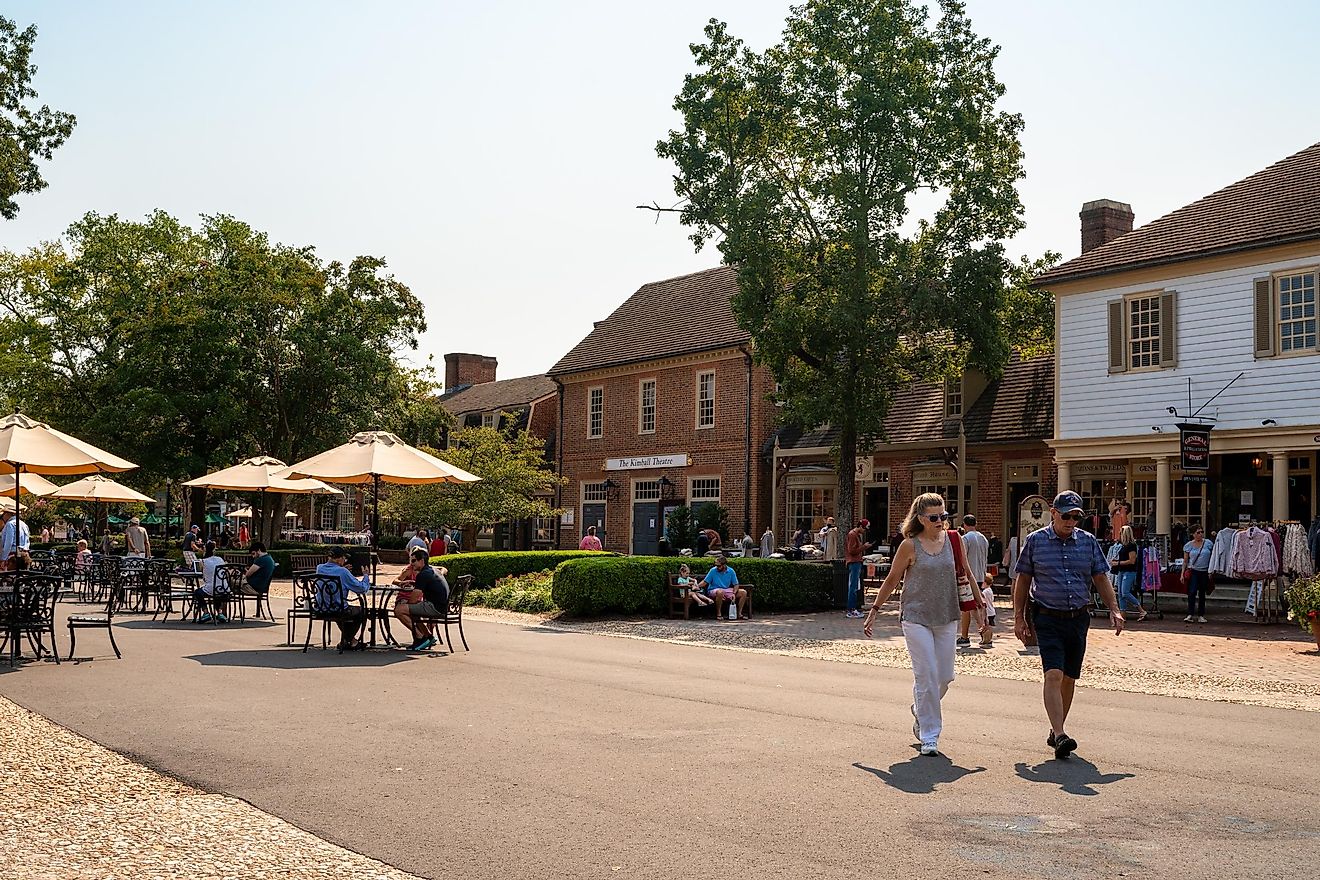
1163,498
1065,476
1279,464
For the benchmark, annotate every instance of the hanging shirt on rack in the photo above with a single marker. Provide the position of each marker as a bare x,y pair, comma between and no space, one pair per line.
1221,558
1253,555
1297,559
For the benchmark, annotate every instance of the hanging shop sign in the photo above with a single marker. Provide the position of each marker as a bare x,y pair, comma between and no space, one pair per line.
864,470
1033,514
1194,441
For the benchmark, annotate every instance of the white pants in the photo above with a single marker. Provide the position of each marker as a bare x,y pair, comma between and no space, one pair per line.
932,649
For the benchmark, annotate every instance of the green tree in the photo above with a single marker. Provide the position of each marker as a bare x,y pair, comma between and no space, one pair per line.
860,176
516,483
187,350
26,133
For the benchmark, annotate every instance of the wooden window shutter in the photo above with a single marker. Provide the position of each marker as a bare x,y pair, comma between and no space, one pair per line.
1264,317
1168,329
1117,338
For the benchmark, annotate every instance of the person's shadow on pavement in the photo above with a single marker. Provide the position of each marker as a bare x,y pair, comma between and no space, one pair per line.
920,775
1075,775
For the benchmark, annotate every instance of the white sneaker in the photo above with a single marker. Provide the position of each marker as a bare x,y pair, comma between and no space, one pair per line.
1201,620
929,751
1188,619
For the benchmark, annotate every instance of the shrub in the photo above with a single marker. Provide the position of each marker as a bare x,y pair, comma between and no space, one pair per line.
639,584
487,568
529,593
1304,601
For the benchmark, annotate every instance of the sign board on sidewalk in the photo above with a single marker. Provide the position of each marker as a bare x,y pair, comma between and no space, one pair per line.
1033,514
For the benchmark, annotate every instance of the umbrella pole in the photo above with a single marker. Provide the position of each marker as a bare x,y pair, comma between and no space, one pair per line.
375,522
18,523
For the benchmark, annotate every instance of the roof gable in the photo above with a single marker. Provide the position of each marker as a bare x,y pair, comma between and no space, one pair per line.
1277,205
683,315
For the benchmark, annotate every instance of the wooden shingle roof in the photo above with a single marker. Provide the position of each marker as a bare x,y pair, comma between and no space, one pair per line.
683,315
502,395
1278,205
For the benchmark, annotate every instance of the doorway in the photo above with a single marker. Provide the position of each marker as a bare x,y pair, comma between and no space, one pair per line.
593,514
645,528
875,507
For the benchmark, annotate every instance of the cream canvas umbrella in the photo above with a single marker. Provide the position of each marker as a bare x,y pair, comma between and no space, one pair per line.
33,484
375,456
263,474
30,446
96,489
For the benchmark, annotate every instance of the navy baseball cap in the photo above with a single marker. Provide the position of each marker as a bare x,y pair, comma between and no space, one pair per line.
1067,502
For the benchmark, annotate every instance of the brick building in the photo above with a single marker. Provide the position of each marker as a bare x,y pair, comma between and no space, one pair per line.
662,406
1005,424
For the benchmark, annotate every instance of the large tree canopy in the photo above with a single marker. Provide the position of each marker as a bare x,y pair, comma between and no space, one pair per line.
188,350
861,177
26,133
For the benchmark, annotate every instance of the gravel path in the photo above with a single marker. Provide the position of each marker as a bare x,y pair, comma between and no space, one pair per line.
72,809
1010,663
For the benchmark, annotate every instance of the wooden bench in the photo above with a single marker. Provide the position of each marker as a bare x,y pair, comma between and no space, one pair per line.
681,602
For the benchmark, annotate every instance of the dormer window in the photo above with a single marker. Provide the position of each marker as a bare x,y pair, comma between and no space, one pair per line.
953,398
488,420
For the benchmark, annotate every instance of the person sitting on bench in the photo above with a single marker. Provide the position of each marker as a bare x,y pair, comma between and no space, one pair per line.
721,584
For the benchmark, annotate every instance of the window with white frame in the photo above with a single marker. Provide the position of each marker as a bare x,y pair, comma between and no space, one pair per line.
1143,327
704,489
488,420
808,507
594,491
1186,501
328,517
348,510
595,412
646,490
646,407
1296,302
950,493
953,398
706,400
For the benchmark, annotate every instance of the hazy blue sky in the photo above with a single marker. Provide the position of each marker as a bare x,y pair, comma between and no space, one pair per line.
493,152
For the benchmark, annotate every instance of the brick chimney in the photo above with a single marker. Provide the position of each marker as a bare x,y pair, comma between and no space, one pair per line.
1103,221
468,369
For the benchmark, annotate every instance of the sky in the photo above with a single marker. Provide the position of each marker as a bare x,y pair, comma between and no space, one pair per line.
493,153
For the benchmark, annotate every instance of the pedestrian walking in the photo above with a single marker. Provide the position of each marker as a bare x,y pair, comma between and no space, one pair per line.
977,549
1055,571
1196,574
929,563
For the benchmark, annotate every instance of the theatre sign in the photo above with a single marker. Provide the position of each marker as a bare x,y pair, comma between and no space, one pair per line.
647,462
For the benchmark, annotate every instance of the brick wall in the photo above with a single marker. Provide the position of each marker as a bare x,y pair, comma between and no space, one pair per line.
719,451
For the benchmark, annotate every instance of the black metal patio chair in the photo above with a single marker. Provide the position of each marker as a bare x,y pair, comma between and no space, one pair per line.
106,621
27,609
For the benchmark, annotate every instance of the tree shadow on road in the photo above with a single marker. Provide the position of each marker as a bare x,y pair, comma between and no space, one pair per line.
1074,776
920,775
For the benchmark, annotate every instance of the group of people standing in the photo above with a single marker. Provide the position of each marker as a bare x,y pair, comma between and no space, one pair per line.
941,577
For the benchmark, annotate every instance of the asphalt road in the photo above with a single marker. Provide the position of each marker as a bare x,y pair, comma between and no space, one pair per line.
550,754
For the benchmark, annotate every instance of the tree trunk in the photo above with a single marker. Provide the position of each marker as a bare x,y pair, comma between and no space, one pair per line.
844,470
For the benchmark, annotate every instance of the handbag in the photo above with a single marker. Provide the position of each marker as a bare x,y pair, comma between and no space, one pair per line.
966,601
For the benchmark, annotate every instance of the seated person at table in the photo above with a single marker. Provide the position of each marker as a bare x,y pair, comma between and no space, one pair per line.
352,618
434,601
83,558
259,574
721,584
203,594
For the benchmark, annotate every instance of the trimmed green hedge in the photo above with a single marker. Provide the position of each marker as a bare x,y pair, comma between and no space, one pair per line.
639,584
487,568
528,593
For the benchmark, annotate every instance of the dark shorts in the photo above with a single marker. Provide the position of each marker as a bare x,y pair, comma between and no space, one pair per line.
1062,641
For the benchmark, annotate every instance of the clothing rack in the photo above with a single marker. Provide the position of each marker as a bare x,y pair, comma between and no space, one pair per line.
1268,595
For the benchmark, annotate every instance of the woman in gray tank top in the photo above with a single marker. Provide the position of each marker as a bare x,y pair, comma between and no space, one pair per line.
924,563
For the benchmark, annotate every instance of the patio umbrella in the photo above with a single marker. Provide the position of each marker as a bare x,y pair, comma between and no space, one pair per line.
262,474
33,447
96,489
32,484
373,456
7,503
241,513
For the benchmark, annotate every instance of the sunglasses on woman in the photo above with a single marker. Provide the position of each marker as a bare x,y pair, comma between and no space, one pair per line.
937,517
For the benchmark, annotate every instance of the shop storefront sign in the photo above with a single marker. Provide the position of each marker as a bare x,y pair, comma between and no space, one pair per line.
647,462
1098,469
939,474
865,470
